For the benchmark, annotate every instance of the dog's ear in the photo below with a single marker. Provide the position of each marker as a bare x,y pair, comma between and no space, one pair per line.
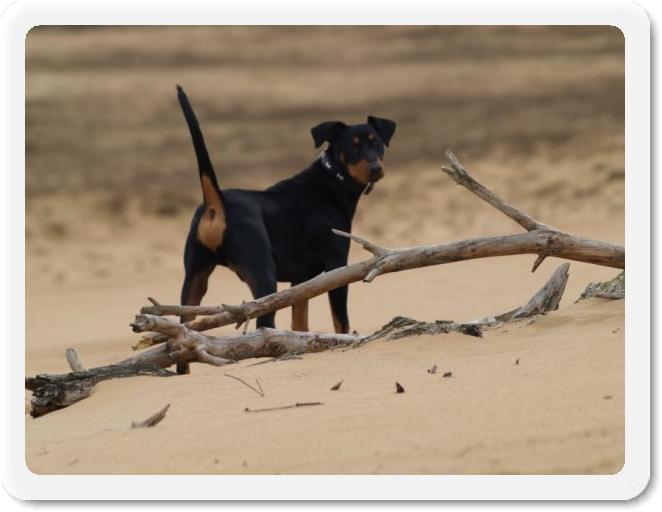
327,131
385,128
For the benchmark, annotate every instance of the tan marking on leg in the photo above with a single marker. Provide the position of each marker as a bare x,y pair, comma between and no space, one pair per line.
211,227
300,316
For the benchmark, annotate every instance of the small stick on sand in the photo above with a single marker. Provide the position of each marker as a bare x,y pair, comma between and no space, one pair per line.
336,387
259,386
258,391
399,388
298,404
152,420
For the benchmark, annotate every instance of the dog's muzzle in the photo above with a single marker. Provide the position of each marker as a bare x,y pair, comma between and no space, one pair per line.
376,173
375,170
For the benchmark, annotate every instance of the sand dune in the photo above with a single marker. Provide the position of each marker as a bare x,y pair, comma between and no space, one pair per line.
560,410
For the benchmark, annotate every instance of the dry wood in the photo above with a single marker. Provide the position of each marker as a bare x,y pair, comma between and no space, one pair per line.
185,345
74,362
281,407
259,391
540,240
545,300
613,289
153,420
51,392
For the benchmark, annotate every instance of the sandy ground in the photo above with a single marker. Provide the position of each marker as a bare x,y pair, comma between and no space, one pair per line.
537,117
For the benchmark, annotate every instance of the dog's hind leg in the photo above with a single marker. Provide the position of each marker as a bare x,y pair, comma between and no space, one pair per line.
193,290
247,250
199,265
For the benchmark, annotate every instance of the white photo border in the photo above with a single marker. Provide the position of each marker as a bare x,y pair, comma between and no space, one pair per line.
16,21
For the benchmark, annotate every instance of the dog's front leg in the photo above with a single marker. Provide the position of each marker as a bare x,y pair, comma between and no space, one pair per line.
262,282
300,316
338,303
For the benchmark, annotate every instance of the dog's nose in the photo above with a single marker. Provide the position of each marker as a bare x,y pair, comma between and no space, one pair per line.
374,168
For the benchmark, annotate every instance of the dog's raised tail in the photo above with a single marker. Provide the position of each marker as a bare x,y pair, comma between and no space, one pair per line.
210,190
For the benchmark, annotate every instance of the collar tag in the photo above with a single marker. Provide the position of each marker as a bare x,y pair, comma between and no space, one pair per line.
325,161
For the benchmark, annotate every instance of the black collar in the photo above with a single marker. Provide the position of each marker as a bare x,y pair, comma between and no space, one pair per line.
342,177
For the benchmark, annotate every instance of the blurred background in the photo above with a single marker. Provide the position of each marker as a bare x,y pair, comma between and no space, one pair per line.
535,113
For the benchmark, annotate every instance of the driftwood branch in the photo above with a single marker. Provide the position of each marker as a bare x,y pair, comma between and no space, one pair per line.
539,240
545,300
51,392
613,289
552,243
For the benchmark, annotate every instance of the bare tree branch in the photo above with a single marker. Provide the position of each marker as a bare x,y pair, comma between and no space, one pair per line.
460,175
545,300
540,240
553,243
185,345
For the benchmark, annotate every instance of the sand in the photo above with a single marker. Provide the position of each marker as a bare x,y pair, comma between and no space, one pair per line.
98,242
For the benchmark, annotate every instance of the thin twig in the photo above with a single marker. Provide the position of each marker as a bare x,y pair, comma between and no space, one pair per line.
541,257
298,404
366,244
258,391
257,381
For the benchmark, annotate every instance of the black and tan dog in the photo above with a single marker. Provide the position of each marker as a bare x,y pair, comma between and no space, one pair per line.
284,232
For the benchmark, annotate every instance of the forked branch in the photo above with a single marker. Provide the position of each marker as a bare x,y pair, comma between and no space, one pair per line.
539,240
52,392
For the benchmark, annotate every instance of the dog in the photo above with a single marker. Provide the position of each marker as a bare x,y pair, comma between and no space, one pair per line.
283,233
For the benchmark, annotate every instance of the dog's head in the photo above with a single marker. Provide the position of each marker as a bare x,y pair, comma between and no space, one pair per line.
359,148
